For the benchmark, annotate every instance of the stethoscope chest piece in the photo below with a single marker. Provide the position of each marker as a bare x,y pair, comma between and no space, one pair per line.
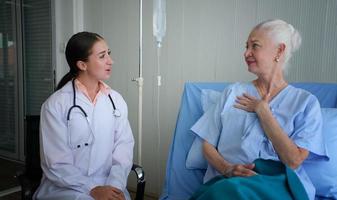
116,113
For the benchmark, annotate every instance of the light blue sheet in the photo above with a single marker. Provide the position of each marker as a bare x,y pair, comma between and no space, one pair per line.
181,183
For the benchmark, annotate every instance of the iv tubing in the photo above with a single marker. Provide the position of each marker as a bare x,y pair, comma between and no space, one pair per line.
158,112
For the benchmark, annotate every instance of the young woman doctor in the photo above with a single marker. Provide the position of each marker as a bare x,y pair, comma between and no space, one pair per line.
86,142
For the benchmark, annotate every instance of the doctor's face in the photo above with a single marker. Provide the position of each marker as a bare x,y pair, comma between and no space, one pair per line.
99,63
260,53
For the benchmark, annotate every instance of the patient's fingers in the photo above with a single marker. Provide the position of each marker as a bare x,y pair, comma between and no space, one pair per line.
248,171
242,101
240,106
246,95
249,166
244,105
250,103
243,170
246,98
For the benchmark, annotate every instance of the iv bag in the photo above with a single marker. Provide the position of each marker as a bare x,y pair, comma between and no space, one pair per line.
159,20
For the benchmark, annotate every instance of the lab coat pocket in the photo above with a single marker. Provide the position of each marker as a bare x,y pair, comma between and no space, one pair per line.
79,131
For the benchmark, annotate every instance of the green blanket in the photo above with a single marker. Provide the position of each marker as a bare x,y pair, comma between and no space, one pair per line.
274,181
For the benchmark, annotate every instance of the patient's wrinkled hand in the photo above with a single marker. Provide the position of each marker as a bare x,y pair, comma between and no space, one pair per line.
243,170
250,104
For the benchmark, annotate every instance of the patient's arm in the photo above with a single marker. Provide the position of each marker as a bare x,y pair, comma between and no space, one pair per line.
221,165
288,152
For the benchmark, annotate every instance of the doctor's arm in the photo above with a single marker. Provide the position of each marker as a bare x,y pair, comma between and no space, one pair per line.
122,155
57,159
221,165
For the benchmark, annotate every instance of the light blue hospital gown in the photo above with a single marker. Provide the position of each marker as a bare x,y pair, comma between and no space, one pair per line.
239,138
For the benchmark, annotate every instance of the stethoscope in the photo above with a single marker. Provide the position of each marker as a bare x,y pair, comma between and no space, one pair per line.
116,113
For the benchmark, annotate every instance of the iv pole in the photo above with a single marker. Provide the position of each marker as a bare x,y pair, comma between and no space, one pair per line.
140,82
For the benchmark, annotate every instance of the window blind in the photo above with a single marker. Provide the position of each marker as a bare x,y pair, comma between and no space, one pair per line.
38,67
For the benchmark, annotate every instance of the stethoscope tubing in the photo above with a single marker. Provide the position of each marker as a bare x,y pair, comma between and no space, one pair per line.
115,112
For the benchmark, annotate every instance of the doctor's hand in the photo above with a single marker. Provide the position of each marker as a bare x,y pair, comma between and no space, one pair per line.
252,104
239,170
107,193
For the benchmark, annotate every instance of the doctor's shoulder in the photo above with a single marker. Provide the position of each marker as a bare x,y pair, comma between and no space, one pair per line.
58,102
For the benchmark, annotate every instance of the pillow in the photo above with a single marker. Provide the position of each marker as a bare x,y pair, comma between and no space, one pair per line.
323,174
195,157
208,98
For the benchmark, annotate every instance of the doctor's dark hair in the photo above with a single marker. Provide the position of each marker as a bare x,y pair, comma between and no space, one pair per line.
78,49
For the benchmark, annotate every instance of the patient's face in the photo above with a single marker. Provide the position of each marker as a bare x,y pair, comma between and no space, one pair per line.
260,53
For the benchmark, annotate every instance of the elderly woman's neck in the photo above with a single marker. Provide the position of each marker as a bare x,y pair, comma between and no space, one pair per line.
274,77
271,84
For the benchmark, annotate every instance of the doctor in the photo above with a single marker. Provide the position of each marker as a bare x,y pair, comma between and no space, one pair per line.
86,143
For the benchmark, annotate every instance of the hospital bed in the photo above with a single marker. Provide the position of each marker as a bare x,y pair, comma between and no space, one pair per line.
29,178
181,182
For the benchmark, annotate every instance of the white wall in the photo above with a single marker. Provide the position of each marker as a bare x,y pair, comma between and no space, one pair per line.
63,29
205,42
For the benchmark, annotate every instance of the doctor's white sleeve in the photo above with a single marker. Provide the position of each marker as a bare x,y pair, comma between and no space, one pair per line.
122,155
57,161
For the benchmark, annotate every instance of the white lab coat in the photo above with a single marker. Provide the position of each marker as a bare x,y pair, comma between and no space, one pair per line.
104,156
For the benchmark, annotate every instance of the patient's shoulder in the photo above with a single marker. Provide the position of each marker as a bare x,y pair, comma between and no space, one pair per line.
302,94
300,98
238,88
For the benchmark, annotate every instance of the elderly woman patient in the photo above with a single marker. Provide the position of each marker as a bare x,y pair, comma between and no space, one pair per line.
259,134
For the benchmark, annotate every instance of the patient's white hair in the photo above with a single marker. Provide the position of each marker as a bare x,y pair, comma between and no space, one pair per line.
282,32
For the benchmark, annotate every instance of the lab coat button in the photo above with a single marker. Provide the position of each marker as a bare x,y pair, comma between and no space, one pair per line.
78,146
86,144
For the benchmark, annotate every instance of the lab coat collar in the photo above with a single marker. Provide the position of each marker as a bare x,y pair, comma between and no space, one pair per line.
68,88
